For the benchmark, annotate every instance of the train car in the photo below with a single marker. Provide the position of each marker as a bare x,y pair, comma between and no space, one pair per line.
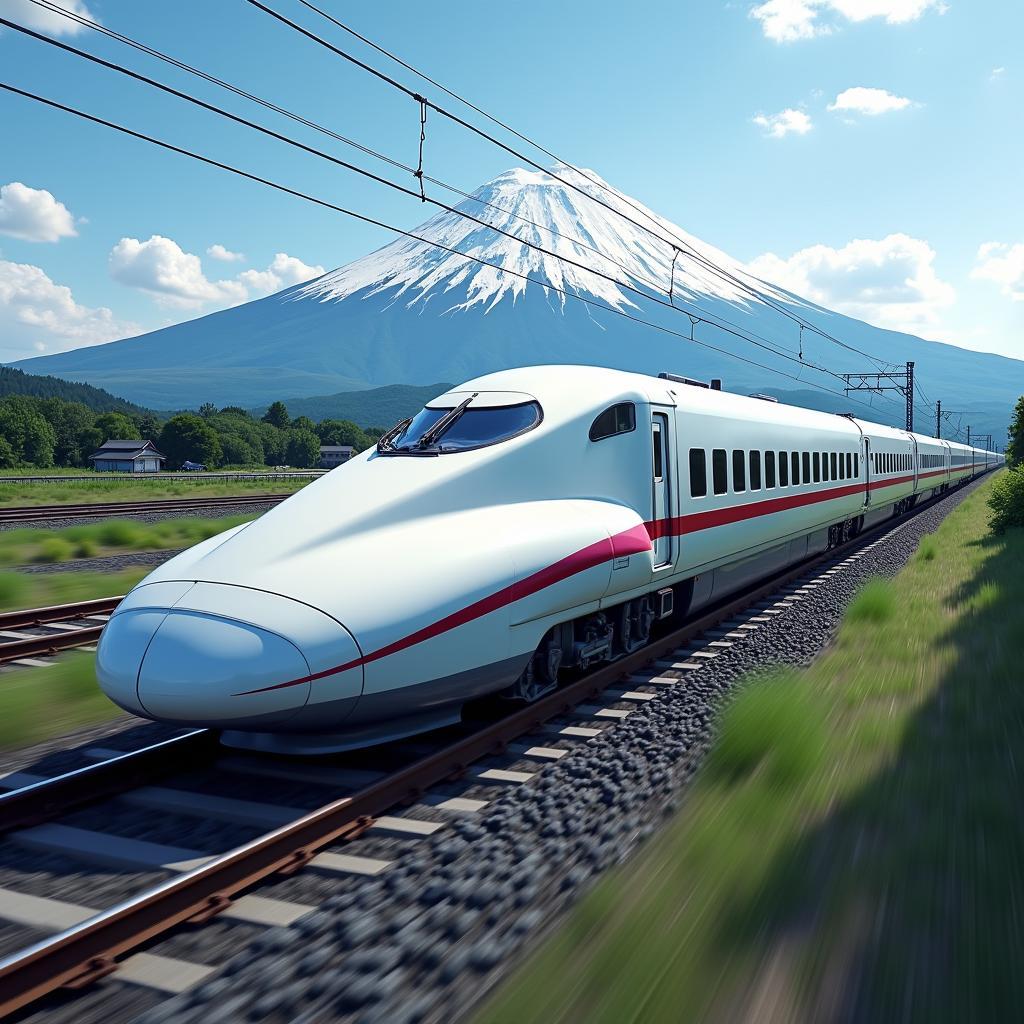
525,523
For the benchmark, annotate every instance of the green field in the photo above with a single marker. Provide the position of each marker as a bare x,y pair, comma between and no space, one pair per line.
37,704
90,489
36,590
853,849
113,536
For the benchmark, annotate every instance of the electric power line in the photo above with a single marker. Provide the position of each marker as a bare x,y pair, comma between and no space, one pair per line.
394,83
701,315
210,161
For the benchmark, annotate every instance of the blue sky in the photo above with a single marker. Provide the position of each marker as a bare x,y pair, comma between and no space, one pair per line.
865,153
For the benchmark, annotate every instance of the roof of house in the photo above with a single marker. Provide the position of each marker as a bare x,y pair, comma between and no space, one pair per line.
126,449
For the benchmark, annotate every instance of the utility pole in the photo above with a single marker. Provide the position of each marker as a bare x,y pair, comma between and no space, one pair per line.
938,418
879,382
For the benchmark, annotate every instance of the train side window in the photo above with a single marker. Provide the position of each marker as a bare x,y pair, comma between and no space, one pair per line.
719,470
849,466
698,473
739,470
755,471
783,469
769,470
856,465
817,467
832,464
842,465
794,464
616,419
807,467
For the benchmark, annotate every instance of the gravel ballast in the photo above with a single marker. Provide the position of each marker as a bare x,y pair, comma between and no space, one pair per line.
428,938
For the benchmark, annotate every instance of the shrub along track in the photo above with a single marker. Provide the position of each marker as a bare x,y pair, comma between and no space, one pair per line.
423,939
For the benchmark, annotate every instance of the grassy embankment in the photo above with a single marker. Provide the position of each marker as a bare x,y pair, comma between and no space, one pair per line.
114,536
92,488
853,848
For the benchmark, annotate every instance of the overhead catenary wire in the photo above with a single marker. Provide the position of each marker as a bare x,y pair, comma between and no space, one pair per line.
715,319
710,318
686,248
326,204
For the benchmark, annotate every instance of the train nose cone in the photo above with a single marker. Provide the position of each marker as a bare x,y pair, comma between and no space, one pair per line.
223,656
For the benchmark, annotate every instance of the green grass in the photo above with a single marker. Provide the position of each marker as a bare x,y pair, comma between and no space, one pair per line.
93,488
39,703
853,847
35,590
114,536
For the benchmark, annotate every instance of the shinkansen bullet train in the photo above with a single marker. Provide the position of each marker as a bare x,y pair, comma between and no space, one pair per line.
526,523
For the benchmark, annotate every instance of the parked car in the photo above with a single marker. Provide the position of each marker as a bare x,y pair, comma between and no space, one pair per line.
193,467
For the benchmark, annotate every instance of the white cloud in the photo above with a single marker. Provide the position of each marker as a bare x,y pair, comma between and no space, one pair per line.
778,126
33,214
996,73
863,100
38,316
27,13
1003,264
890,282
283,272
161,267
786,21
218,252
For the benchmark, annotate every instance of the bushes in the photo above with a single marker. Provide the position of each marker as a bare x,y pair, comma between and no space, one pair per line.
776,725
875,602
1006,501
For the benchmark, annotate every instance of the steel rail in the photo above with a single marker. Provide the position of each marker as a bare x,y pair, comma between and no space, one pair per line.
34,513
49,643
89,951
27,617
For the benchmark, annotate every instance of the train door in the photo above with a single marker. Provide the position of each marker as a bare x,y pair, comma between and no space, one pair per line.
661,487
866,445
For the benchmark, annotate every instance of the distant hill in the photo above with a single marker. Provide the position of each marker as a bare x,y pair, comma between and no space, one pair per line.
376,407
17,382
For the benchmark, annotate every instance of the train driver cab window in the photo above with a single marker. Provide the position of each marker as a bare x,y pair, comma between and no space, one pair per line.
698,473
739,470
616,419
476,422
720,470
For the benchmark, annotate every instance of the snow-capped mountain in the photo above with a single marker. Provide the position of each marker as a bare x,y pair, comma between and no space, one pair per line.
547,211
417,311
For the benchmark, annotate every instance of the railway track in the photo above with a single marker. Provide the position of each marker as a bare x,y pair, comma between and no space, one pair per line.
99,509
431,779
33,633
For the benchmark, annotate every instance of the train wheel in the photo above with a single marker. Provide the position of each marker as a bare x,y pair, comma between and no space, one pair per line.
540,676
633,624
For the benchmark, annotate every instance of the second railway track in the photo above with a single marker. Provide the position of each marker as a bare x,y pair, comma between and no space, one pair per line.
32,633
100,509
203,884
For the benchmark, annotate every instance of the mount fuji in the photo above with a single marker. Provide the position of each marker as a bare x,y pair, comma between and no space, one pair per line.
415,312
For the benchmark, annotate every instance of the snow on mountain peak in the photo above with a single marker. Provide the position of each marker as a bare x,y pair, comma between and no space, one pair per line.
542,210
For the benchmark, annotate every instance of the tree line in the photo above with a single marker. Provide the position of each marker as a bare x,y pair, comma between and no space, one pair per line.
40,433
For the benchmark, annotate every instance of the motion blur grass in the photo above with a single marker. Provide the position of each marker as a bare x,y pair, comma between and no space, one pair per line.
39,703
92,488
853,848
42,545
34,590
